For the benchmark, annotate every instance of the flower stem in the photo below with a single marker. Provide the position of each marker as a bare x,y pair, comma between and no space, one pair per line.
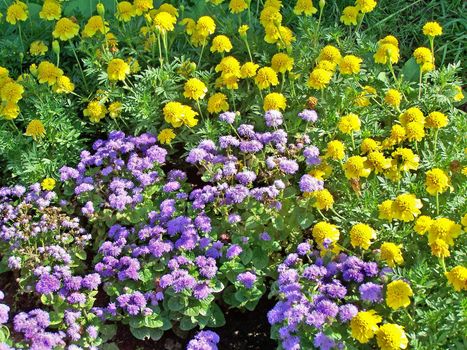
199,108
201,54
435,142
437,203
79,65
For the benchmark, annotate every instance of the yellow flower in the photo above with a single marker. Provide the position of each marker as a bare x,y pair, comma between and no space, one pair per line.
237,6
95,111
48,73
189,24
391,337
364,325
365,6
361,235
385,210
323,199
389,39
322,171
423,224
266,77
282,62
63,85
248,70
436,120
205,26
391,254
11,92
349,15
9,111
377,162
393,98
173,113
415,131
285,38
38,48
458,278
195,89
397,136
221,43
273,3
275,101
349,123
242,30
369,145
412,114
117,69
398,294
218,103
387,53
444,229
436,181
330,53
408,160
330,66
350,64
355,168
229,66
164,22
18,11
95,25
319,78
432,29
464,221
48,184
115,109
188,116
166,8
125,11
440,249
142,6
304,6
459,96
406,207
422,55
51,10
65,29
324,230
427,67
335,150
166,136
35,129
270,16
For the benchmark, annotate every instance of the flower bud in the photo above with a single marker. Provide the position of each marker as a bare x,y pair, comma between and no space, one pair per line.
100,9
56,47
322,3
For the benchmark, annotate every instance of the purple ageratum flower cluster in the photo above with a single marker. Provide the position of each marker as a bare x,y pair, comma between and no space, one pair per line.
122,167
308,115
4,310
315,294
309,183
204,340
273,118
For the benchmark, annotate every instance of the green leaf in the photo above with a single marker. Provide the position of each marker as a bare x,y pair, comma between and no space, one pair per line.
107,331
186,324
141,333
411,70
153,321
217,318
175,304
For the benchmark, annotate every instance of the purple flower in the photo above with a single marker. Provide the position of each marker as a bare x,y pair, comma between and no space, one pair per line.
310,184
323,342
204,340
347,312
288,166
47,284
273,118
371,292
227,117
308,115
247,279
233,251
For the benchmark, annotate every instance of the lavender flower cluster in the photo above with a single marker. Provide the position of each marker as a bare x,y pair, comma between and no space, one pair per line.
204,340
316,295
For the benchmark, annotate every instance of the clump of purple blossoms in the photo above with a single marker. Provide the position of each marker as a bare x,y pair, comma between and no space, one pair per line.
273,118
310,184
204,340
308,115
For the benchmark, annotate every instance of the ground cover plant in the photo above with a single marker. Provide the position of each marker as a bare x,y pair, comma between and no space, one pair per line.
169,168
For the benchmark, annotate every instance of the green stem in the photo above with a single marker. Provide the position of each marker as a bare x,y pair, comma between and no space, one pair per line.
161,60
420,84
248,49
315,39
437,203
79,65
360,23
353,141
200,111
435,143
443,265
201,54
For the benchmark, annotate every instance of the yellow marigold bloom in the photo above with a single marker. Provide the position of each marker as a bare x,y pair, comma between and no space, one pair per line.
458,278
221,43
324,230
205,26
142,6
11,92
38,48
369,145
398,294
322,171
164,22
335,150
436,120
350,64
319,79
459,96
48,73
189,24
95,24
48,184
229,66
35,129
188,116
385,210
237,6
282,62
95,111
361,235
65,29
173,113
389,39
63,85
323,199
115,109
423,224
391,337
286,37
330,66
362,100
273,3
422,55
125,11
118,69
218,103
304,6
365,6
166,136
412,114
387,53
16,12
194,89
51,10
391,254
436,181
398,135
393,98
349,15
406,207
229,81
377,162
427,67
444,229
9,111
464,221
166,8
270,16
242,30
393,173
266,77
364,325
406,159
355,167
274,100
415,131
248,70
440,249
330,53
349,123
432,29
